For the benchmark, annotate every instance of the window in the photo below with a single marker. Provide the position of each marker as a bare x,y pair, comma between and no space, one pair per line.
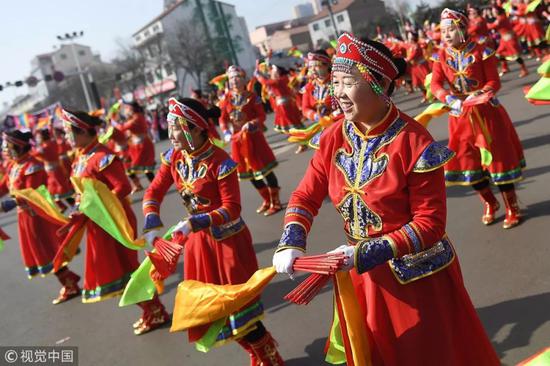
156,28
138,38
331,37
340,18
150,77
82,53
327,23
146,34
168,69
315,27
63,56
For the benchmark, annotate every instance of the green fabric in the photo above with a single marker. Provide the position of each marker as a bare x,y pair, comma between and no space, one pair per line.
217,142
141,287
486,157
334,44
541,360
43,191
336,353
93,207
103,139
533,6
507,6
427,86
1,245
540,91
208,340
545,67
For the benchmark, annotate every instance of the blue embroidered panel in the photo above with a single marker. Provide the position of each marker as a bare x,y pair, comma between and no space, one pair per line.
152,221
226,168
372,253
106,161
294,235
200,221
414,238
416,266
360,166
316,140
166,156
226,230
34,168
459,61
433,157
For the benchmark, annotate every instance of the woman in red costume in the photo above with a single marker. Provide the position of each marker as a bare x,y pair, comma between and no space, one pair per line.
477,28
242,122
508,47
418,65
37,236
487,146
383,173
218,245
64,149
530,28
58,184
108,264
283,101
141,150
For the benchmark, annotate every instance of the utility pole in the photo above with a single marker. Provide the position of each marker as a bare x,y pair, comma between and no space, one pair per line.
328,4
70,38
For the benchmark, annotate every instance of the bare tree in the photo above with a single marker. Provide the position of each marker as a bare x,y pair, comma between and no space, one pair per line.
130,65
189,50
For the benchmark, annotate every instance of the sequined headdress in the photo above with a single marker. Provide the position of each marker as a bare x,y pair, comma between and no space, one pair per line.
452,17
352,52
183,115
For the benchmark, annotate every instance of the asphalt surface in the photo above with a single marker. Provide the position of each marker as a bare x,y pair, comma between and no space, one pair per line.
505,271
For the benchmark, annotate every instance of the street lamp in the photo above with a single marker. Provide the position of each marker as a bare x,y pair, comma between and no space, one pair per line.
70,38
329,4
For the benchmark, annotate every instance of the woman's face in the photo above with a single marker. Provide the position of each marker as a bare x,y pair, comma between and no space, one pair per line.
356,98
236,82
178,140
451,35
320,70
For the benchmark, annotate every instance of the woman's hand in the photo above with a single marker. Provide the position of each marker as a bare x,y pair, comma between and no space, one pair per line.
349,252
284,260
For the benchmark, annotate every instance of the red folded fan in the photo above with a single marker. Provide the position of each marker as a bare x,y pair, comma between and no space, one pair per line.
322,267
478,99
165,257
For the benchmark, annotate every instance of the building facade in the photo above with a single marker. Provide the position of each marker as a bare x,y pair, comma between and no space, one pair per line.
215,20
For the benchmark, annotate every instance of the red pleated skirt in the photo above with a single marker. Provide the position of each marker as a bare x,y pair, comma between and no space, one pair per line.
253,155
287,115
418,74
428,322
108,264
38,242
505,147
226,262
142,156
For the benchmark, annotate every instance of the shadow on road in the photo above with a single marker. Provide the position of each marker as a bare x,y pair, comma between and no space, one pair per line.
274,293
518,318
529,120
536,141
537,210
315,355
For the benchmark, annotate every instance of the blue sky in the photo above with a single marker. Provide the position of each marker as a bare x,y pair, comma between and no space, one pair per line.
30,27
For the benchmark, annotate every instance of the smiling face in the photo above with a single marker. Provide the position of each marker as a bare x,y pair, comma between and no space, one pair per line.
451,35
356,98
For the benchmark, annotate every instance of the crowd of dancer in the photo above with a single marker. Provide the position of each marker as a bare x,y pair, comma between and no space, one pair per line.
401,263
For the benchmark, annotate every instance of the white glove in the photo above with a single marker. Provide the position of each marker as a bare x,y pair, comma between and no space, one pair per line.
227,136
183,227
349,252
455,104
150,238
283,260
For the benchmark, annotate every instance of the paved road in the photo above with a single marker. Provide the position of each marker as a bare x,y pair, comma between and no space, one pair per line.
506,272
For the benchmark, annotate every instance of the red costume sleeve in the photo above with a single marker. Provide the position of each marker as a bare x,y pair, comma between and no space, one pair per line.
115,175
4,184
225,120
438,81
129,124
427,200
308,197
308,109
156,191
